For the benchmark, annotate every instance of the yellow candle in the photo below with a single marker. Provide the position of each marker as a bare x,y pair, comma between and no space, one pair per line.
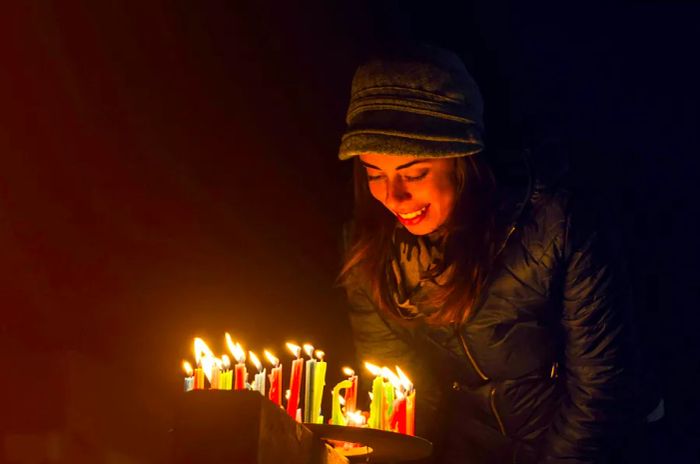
319,384
337,417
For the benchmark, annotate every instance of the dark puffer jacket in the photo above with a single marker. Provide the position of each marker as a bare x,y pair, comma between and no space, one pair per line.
540,371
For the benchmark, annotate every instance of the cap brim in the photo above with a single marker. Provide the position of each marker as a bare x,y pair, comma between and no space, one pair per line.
409,134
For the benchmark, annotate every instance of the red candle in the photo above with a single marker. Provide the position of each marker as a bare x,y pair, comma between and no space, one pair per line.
351,391
275,393
397,422
295,380
240,373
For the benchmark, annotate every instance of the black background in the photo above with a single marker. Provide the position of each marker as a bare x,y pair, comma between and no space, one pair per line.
168,169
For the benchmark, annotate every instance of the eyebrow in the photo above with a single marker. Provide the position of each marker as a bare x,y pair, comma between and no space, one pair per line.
402,166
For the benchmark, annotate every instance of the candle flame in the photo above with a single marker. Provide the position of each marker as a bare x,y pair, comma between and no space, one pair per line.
255,361
273,360
371,396
287,394
405,381
320,354
226,361
391,377
348,371
201,350
295,349
204,356
341,400
229,343
238,353
188,368
356,418
375,370
309,349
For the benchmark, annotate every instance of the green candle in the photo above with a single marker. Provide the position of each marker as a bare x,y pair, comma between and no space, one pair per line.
376,408
388,403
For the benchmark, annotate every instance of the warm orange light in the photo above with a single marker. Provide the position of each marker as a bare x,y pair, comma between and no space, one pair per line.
341,400
295,349
188,369
320,354
348,371
273,360
374,370
287,394
226,362
254,359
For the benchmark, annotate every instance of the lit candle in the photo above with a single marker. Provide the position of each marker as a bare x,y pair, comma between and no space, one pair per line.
410,402
259,381
337,417
376,408
189,376
351,391
309,383
205,363
319,384
215,379
295,380
240,372
275,393
391,383
226,382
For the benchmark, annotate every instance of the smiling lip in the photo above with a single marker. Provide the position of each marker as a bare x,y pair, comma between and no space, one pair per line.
412,218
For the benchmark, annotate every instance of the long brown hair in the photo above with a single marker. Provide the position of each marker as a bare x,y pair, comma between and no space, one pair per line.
469,240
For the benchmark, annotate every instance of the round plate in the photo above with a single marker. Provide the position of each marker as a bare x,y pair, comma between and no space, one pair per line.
383,446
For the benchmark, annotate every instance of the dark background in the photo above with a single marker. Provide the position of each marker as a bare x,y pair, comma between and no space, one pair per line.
168,169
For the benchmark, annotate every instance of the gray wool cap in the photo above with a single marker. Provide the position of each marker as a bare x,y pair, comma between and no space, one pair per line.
420,102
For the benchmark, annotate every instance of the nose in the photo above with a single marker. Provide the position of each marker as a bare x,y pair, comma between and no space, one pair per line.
396,193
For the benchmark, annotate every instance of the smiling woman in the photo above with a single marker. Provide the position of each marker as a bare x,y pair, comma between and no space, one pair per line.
504,303
421,193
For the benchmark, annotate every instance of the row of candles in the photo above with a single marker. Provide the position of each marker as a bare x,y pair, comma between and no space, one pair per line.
392,405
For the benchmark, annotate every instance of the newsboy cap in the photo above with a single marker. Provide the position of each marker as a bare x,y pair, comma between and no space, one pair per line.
419,101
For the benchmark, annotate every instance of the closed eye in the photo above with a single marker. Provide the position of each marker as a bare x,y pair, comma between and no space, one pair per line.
418,177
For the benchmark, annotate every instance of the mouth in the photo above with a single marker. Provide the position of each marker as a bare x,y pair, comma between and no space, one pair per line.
414,217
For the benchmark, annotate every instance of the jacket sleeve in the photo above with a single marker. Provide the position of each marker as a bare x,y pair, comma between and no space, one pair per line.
389,344
597,351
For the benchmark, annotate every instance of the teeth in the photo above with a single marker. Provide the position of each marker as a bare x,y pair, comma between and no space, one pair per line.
413,214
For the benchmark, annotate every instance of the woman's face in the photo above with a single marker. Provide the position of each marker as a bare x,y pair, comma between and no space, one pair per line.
420,192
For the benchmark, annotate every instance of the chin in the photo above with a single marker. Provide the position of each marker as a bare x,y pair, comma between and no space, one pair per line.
421,229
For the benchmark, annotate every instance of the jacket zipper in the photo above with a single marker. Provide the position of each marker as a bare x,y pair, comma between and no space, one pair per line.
467,351
465,347
492,400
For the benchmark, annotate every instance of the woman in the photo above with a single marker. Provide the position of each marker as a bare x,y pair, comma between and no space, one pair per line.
501,301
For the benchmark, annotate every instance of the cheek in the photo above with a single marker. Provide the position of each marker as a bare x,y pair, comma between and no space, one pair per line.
377,191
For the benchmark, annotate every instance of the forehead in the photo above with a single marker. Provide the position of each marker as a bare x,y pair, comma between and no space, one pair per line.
393,162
